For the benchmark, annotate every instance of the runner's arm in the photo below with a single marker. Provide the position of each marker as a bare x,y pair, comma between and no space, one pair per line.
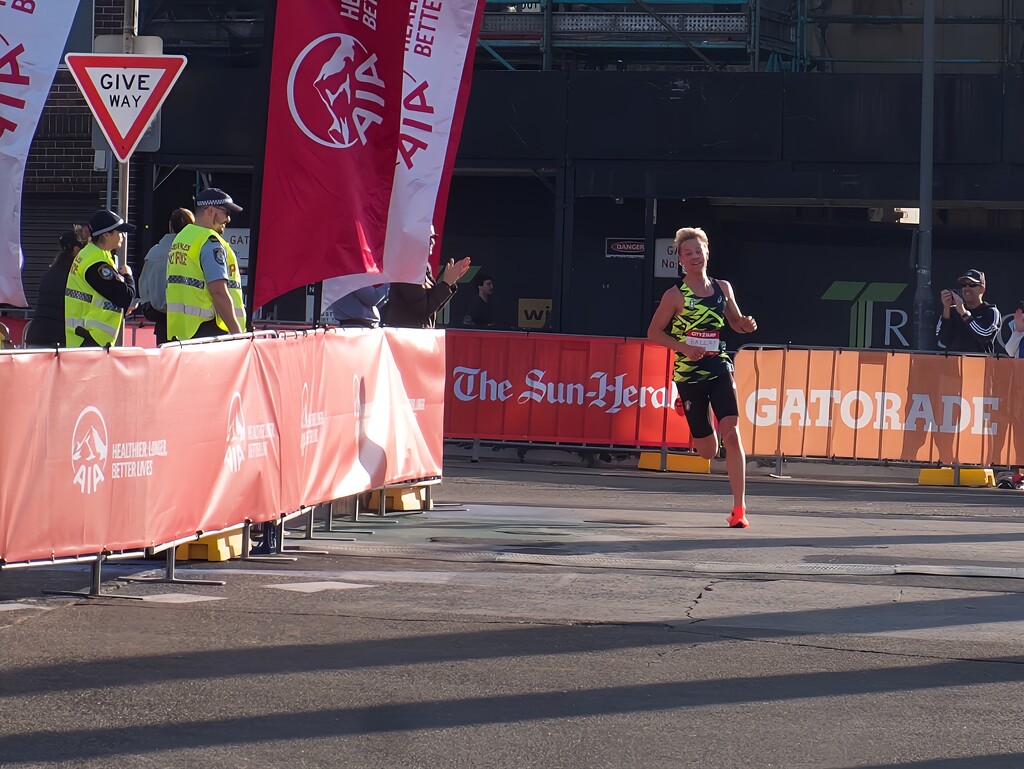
671,305
741,324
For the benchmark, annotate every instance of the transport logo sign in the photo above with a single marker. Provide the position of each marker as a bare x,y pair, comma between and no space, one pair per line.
124,92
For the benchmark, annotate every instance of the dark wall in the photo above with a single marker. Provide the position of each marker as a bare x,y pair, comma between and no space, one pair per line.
751,135
214,115
506,226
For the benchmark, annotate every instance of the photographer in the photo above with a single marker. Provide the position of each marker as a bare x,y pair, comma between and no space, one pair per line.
968,324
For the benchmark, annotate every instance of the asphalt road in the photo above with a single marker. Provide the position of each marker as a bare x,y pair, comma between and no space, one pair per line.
552,617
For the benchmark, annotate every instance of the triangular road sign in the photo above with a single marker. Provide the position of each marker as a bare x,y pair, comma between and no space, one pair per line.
124,92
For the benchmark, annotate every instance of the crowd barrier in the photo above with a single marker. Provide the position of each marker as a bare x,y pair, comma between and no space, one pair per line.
587,391
873,405
131,448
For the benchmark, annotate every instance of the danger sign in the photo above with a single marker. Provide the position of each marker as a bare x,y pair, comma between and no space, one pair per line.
124,93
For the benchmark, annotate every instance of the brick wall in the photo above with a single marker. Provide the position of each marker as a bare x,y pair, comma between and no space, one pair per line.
61,160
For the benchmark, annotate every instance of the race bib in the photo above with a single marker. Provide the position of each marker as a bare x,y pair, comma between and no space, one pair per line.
706,340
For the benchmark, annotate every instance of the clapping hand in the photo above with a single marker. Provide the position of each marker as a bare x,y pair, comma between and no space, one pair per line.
453,271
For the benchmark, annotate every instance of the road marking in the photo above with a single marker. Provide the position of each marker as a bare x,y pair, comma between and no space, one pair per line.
318,587
180,598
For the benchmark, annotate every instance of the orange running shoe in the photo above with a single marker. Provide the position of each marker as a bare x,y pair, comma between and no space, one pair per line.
738,518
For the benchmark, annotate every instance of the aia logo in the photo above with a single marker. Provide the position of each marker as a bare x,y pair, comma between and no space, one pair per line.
305,418
334,92
89,450
234,456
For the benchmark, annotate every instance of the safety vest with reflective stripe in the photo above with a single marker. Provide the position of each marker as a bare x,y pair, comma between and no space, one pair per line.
189,303
84,307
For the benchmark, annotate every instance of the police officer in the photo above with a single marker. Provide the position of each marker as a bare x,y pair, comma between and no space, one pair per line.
204,286
97,293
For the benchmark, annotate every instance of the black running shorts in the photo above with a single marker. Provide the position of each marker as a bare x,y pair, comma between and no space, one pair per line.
719,394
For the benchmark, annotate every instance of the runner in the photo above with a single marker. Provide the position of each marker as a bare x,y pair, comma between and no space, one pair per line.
689,321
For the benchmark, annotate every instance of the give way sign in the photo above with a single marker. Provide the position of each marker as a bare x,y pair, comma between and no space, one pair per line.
124,92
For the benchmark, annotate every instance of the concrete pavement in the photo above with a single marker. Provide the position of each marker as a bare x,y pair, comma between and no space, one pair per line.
553,616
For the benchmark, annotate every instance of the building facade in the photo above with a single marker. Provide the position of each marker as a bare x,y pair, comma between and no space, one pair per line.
788,129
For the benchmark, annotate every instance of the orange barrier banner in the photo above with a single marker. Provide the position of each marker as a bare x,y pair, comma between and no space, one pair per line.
558,388
108,451
861,404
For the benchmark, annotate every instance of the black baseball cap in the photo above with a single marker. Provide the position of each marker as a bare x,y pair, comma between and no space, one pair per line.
212,196
105,221
977,277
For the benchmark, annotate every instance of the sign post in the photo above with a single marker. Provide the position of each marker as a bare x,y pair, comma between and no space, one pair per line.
124,91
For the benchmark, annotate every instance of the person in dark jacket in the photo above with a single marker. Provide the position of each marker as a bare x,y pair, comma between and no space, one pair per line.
47,326
415,306
967,323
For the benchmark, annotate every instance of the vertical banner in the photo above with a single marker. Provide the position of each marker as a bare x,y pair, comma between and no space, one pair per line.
440,42
332,136
32,38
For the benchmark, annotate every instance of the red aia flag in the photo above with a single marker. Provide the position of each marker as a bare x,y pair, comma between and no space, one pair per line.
332,137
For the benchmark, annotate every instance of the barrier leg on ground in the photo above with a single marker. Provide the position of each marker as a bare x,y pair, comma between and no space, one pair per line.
308,534
399,493
246,547
96,587
340,503
170,577
778,469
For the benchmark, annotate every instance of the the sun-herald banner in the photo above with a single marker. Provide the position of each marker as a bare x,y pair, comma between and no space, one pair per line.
851,404
440,42
567,389
32,37
332,136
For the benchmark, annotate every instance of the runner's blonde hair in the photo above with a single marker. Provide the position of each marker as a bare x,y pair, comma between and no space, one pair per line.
691,233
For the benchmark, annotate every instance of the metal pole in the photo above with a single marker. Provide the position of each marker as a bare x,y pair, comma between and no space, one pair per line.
757,36
110,179
129,31
923,299
547,63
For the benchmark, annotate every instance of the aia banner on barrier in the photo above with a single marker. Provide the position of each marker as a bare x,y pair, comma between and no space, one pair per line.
332,138
561,389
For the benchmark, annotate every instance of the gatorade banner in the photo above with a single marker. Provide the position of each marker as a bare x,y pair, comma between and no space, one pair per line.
439,48
94,458
32,37
332,138
561,389
881,405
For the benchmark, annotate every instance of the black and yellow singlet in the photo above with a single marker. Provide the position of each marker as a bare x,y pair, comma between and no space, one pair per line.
701,321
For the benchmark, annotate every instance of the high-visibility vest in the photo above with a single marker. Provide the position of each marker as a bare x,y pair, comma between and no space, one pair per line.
189,303
84,307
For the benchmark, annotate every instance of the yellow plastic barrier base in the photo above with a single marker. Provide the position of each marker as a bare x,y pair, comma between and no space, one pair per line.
943,476
401,499
216,547
674,463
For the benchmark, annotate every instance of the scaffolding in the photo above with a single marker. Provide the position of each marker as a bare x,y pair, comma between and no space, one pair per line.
974,36
638,34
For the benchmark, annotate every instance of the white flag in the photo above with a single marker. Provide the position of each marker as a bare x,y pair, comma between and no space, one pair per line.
439,49
32,38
